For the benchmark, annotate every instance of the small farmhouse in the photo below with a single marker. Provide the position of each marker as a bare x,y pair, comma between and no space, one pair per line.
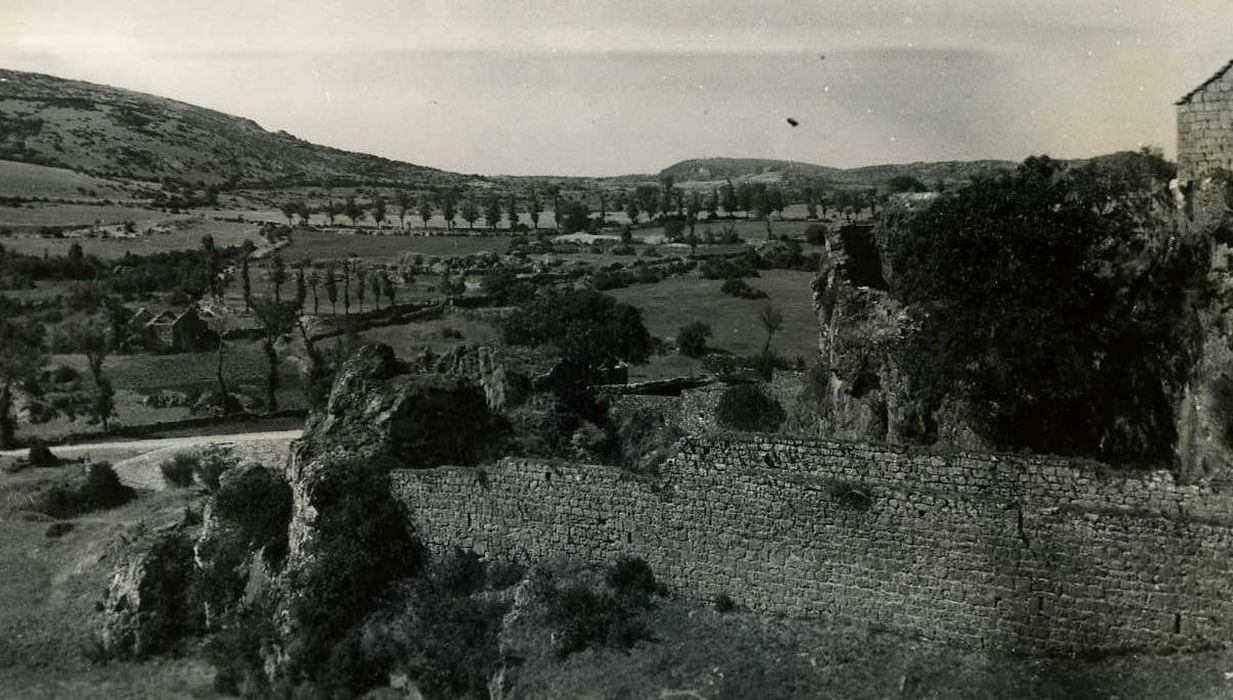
183,332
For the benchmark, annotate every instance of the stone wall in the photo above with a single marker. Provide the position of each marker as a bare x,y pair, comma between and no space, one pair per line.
1031,554
1205,128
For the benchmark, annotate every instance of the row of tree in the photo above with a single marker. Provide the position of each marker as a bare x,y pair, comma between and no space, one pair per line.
645,202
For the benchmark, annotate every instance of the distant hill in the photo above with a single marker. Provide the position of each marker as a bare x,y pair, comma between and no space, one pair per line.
797,173
710,169
114,132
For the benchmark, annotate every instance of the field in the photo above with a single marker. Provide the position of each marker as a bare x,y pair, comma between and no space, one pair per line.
412,338
320,245
29,180
675,302
32,217
135,376
182,234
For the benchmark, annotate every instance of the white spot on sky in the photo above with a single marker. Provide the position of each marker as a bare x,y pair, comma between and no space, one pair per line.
828,88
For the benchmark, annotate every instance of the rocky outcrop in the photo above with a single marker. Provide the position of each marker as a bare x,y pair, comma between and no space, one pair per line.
1204,406
378,409
146,607
504,375
861,391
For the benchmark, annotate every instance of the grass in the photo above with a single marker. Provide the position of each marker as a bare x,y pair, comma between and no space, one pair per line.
678,301
701,653
183,234
319,245
409,339
29,180
47,613
30,217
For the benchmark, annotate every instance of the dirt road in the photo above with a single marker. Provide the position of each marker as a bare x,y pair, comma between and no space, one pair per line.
136,461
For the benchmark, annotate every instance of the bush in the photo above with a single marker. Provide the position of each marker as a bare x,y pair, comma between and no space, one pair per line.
724,603
720,364
258,501
1020,288
41,456
725,268
746,407
210,468
99,489
589,328
815,234
584,619
178,470
691,339
741,289
633,576
362,547
458,573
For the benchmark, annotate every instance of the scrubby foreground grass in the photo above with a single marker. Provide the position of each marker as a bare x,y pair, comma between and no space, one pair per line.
701,653
54,573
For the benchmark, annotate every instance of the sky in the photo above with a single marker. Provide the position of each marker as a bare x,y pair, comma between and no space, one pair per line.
606,87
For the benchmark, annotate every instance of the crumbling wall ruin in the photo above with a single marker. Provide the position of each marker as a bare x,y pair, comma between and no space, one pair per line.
1025,553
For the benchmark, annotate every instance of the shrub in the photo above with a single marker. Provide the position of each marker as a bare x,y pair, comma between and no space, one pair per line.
632,576
103,488
450,333
747,407
691,339
98,489
1020,287
258,501
210,467
178,470
589,328
741,289
720,364
725,268
724,603
584,618
458,573
815,234
362,547
41,456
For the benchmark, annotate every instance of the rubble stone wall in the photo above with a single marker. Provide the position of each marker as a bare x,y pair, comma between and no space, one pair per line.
1205,128
1033,554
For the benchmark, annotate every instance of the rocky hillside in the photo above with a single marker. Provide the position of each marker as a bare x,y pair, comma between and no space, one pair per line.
109,131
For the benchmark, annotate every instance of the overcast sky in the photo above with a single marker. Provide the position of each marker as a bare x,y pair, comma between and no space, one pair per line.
619,86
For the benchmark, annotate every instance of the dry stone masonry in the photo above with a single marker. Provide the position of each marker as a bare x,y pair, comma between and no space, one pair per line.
1205,127
1031,554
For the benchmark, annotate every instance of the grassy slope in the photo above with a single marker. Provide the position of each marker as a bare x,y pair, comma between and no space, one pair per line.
47,597
172,232
111,131
699,654
30,180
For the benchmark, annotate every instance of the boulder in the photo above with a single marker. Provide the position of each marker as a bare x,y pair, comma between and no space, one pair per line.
146,606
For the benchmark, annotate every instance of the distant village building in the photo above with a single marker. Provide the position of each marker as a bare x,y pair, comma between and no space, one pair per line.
168,331
1205,128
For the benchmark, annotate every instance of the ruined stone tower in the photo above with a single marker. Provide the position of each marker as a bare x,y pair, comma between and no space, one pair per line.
1205,127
